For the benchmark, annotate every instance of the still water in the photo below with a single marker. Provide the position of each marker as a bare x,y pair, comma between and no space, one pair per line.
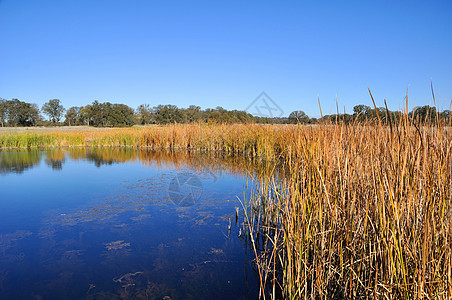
123,224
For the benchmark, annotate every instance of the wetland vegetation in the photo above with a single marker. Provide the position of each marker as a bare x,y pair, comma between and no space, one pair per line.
340,210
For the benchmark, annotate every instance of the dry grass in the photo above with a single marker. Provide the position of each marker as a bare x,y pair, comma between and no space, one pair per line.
366,213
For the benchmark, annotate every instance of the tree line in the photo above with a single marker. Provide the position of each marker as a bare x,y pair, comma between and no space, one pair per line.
364,113
15,113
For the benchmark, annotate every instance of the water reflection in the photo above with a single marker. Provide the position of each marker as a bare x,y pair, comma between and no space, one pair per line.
212,162
55,158
18,161
139,224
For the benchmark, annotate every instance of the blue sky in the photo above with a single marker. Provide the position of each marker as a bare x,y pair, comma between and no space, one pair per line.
225,53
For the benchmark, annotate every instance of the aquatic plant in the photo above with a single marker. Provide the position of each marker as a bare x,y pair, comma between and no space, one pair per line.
365,213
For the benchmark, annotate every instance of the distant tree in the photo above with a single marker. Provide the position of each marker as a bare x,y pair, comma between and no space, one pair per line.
97,114
21,113
85,112
53,109
107,114
361,110
446,116
145,114
73,116
424,113
119,115
166,114
193,114
219,115
313,121
3,111
298,116
364,112
239,116
34,114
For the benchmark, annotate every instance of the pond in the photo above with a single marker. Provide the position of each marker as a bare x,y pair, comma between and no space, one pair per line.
120,223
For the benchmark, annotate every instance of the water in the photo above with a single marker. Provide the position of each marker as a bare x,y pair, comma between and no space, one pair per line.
122,223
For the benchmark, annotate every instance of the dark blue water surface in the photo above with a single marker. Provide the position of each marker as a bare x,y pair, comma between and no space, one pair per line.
122,224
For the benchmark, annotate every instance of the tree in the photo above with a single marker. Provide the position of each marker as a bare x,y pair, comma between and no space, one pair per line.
446,116
192,114
34,115
424,113
3,111
165,114
84,115
361,110
21,113
73,116
53,109
96,114
107,114
145,114
120,115
298,116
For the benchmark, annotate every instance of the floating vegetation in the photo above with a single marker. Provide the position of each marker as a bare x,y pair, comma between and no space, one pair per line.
9,240
116,245
72,254
91,287
120,225
216,251
140,218
127,278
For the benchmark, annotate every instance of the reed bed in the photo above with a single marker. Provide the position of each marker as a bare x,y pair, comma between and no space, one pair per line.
365,213
363,210
255,140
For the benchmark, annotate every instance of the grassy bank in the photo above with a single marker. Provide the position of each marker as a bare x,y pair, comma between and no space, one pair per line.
366,211
255,140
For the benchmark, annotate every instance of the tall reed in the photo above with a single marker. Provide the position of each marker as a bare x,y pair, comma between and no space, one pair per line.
365,213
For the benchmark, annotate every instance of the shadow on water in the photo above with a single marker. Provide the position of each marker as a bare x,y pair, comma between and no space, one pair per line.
147,225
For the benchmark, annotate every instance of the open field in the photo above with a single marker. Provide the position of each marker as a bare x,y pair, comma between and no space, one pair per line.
365,212
56,129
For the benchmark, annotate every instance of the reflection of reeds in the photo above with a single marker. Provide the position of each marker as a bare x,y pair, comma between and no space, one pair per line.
209,164
366,212
18,161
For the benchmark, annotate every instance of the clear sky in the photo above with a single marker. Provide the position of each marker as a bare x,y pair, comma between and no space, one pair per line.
225,53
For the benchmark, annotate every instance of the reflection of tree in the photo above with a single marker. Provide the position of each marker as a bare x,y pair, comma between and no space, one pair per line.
55,158
56,165
18,161
204,163
109,156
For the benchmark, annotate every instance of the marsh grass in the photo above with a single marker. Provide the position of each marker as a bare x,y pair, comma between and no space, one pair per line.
255,140
365,213
363,210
